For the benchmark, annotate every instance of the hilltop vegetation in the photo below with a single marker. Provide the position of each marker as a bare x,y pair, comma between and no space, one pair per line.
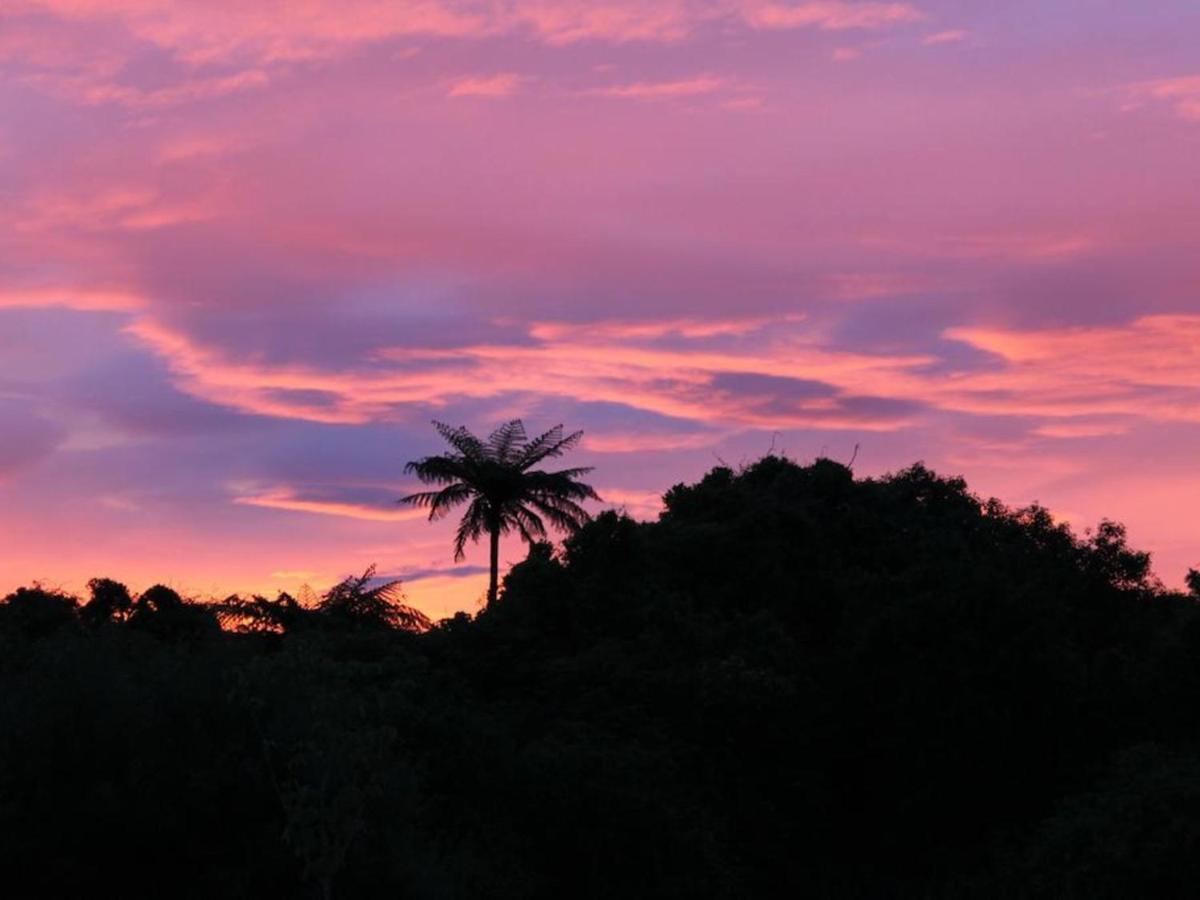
794,683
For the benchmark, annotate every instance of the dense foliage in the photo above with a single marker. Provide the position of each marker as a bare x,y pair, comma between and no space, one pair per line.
792,684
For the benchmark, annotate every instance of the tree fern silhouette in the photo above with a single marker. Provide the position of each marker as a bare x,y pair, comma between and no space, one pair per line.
504,491
354,601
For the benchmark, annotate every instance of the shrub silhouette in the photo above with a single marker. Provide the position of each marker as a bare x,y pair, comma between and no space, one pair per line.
258,615
355,603
793,682
110,602
161,611
37,611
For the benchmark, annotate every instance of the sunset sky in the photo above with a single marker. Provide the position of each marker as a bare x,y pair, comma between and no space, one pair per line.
249,250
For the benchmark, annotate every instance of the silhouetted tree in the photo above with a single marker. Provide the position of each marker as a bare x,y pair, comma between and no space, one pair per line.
161,611
257,615
505,492
1109,556
37,611
110,602
355,602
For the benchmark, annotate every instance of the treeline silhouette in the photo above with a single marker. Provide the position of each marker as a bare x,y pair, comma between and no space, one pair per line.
794,683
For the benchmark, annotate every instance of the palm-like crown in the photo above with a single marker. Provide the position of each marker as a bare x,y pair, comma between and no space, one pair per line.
498,479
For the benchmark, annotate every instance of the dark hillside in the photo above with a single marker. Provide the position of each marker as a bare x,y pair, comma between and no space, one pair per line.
793,683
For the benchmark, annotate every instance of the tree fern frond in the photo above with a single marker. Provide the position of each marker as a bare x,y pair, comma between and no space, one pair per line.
529,523
549,445
439,469
562,484
354,602
507,442
421,498
562,514
462,440
441,502
471,528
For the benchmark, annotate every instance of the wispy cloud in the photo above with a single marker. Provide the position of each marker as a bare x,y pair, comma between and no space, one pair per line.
222,48
68,297
424,574
617,330
562,22
680,382
952,36
504,84
1068,429
1182,94
88,90
830,15
1147,369
1026,245
601,440
225,30
664,90
290,501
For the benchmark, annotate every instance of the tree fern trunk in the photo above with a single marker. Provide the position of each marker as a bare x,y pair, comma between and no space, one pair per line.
493,583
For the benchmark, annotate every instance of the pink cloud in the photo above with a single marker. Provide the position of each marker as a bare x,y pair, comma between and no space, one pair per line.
131,207
284,499
274,31
1068,429
1028,245
664,90
953,36
78,298
570,21
640,330
1183,94
831,15
504,84
85,89
1148,369
679,383
191,147
607,441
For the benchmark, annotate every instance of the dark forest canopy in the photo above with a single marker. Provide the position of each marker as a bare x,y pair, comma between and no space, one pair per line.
793,683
